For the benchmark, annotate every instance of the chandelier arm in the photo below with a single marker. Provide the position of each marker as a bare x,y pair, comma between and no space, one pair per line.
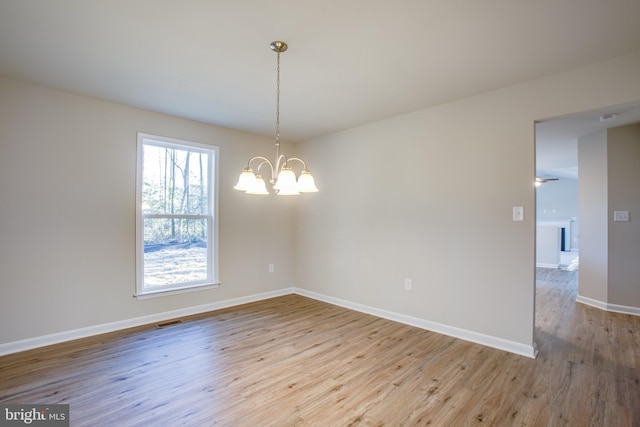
304,165
264,160
280,163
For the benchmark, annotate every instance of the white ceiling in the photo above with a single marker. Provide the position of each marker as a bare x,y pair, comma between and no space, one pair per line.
349,62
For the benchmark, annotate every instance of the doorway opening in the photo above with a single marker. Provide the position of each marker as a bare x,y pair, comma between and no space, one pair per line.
561,202
557,196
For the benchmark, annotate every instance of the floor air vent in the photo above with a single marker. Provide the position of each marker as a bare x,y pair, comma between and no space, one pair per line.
168,323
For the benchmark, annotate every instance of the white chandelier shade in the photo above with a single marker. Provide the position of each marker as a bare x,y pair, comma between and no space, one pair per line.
306,183
283,178
258,186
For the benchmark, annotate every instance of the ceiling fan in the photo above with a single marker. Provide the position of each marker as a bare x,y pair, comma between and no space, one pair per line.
540,181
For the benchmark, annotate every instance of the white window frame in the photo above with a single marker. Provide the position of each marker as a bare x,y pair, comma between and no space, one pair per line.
143,292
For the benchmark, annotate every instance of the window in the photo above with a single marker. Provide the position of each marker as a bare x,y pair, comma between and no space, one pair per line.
176,225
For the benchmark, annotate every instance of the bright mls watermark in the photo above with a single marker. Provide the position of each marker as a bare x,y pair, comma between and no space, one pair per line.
34,415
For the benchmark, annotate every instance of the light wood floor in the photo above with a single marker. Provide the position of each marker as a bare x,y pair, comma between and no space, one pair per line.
295,361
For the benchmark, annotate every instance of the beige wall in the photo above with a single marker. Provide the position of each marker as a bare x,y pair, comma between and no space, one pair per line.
609,180
594,260
426,196
429,196
623,170
67,213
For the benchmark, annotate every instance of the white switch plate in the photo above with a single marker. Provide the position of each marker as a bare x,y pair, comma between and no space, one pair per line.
407,284
621,216
270,268
518,213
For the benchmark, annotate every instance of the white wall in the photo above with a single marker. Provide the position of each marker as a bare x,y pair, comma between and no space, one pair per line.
67,213
557,200
429,196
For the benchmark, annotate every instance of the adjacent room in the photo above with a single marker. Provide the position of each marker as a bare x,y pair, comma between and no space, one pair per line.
320,213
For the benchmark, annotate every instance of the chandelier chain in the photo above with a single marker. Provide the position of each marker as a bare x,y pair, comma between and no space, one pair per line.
278,102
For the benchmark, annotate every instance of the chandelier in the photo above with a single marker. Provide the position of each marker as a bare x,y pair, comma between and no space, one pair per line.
283,179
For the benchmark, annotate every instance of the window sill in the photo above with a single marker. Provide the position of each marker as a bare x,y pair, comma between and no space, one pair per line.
169,292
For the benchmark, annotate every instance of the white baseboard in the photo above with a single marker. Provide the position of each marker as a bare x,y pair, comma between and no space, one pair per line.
41,341
475,337
635,311
547,265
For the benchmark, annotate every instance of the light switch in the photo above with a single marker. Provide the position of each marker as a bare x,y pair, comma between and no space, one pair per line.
621,216
518,213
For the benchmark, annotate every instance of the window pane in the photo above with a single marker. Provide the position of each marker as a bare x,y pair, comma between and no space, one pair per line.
175,223
175,251
175,181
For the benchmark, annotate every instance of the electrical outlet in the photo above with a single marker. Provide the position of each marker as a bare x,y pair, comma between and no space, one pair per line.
407,284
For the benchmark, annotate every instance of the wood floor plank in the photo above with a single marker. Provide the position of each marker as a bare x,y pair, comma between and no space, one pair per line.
294,361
